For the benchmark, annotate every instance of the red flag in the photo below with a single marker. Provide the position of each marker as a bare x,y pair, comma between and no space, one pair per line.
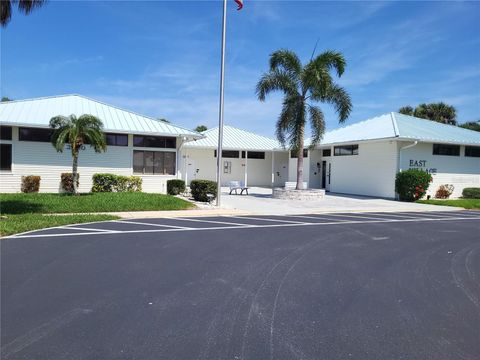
240,4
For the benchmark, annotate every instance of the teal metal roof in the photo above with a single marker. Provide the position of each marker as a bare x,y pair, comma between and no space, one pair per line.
38,112
235,139
401,127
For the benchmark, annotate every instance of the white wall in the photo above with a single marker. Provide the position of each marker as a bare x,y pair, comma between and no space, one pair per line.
460,171
259,170
371,172
40,158
292,168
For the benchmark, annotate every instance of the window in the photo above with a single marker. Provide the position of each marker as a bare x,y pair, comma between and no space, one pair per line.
34,134
154,141
449,150
293,153
345,150
327,152
231,154
472,151
6,157
154,162
116,139
254,154
5,132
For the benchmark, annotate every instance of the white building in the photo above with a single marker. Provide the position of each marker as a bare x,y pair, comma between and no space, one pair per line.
254,159
137,145
362,158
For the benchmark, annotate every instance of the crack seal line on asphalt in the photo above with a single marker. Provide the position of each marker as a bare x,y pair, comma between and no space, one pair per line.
246,226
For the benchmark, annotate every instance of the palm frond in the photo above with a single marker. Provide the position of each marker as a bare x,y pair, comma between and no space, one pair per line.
329,60
276,80
26,6
338,97
285,60
317,122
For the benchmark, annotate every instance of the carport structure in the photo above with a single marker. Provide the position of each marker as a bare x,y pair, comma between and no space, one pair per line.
254,159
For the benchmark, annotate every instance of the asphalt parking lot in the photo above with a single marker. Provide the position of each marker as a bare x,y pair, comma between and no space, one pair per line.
310,286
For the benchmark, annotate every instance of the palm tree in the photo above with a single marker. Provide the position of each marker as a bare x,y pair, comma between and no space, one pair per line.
439,112
25,6
76,132
200,128
302,85
471,125
406,110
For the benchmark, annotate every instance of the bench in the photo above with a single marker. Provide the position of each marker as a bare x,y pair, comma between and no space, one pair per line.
291,185
237,185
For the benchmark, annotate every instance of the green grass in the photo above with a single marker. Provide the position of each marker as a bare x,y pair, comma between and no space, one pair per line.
14,224
88,203
465,203
25,212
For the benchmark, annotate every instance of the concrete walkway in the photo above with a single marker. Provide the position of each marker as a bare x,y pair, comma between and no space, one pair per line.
259,201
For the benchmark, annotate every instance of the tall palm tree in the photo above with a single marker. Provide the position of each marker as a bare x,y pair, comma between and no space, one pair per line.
439,112
25,6
302,85
76,132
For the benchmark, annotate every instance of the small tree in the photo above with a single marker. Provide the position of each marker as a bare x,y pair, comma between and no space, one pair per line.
76,132
471,125
200,128
439,112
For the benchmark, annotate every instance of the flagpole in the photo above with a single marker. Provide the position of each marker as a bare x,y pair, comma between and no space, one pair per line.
221,108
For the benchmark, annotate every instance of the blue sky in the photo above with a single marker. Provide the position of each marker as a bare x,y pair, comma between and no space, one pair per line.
161,58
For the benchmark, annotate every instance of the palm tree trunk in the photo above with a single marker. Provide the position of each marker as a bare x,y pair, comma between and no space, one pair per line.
75,173
300,164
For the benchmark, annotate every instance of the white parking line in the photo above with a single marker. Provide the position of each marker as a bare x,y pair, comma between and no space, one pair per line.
402,216
315,217
210,221
81,228
247,226
355,216
267,219
150,224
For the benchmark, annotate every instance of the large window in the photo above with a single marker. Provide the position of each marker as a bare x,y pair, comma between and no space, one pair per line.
6,157
154,162
254,155
293,154
443,149
472,151
345,150
154,141
34,134
229,154
116,139
5,132
326,152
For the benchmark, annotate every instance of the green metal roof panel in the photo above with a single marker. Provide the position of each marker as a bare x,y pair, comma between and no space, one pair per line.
410,127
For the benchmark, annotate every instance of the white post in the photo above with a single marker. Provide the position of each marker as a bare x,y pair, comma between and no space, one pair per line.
220,112
273,169
246,168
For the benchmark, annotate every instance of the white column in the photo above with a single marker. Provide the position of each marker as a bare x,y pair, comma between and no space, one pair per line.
246,168
273,169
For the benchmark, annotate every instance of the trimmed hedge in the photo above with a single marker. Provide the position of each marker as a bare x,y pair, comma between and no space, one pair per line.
66,182
175,186
200,189
471,193
30,184
411,185
116,183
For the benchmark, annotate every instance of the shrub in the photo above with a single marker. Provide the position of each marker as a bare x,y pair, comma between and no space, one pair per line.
444,191
175,186
471,193
116,183
200,189
66,181
411,185
30,183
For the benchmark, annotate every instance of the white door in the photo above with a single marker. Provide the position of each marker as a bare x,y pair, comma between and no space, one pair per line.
191,170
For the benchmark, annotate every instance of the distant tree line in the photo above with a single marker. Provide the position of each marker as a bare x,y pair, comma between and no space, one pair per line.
439,112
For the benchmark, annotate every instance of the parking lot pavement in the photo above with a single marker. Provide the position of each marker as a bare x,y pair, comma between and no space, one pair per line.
252,221
309,286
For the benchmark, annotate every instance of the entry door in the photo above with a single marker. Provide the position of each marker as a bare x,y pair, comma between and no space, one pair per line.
191,170
324,174
329,176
